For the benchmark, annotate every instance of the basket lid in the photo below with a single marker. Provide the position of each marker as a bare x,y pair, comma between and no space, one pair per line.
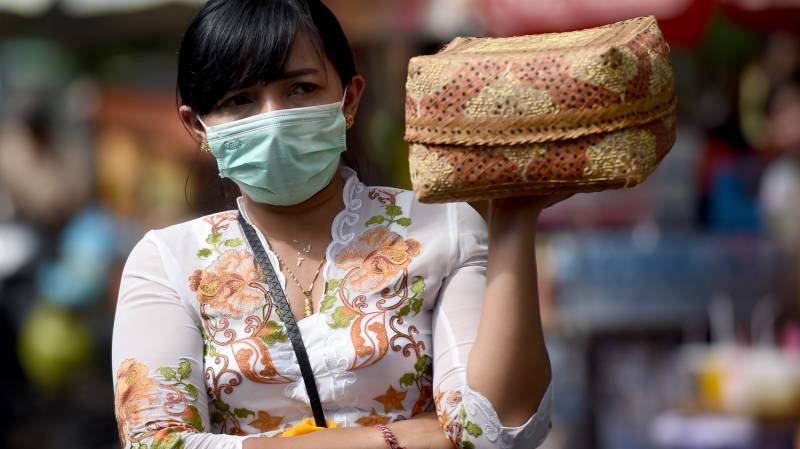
539,88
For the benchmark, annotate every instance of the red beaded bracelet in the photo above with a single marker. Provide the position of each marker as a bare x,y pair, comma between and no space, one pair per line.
389,437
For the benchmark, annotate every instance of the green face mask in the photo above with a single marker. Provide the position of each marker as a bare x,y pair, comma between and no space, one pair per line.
282,157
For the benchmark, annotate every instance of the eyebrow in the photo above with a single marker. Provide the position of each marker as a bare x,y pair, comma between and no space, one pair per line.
284,76
298,72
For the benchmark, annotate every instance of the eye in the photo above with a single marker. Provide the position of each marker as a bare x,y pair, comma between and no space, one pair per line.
302,88
236,100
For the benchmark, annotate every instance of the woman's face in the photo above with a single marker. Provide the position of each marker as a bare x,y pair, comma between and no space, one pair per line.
308,80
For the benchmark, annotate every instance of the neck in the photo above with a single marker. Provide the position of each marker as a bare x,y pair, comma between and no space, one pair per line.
308,221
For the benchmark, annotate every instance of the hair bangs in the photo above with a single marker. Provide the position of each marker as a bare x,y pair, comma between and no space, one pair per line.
233,44
250,46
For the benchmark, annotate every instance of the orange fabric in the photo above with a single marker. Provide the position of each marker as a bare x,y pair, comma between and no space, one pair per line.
306,426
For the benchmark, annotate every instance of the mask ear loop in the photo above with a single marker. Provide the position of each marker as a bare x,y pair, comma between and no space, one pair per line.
349,120
204,146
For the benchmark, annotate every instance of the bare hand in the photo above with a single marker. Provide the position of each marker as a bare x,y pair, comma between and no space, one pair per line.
531,203
515,212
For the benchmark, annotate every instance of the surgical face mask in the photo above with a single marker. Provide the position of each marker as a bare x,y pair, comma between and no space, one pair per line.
281,157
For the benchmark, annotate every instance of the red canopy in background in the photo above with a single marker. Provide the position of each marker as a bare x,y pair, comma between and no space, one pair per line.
365,20
764,14
684,22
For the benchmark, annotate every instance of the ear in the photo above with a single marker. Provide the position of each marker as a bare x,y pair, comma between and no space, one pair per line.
353,97
191,123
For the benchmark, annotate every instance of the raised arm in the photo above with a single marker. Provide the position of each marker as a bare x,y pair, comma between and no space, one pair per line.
492,373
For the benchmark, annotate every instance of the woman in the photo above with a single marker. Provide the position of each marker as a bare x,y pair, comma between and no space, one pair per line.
387,292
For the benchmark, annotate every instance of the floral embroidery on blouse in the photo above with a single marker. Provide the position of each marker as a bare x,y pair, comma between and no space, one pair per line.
266,422
453,419
373,418
378,260
251,353
230,419
375,257
137,393
422,378
230,284
391,400
219,223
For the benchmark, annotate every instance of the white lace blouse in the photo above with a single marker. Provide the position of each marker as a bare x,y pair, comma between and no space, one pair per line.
202,360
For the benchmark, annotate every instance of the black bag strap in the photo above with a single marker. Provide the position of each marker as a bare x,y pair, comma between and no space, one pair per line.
285,313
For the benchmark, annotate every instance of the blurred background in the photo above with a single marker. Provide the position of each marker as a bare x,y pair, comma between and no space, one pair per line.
672,310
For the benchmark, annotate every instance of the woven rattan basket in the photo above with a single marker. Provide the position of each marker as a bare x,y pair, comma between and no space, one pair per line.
554,113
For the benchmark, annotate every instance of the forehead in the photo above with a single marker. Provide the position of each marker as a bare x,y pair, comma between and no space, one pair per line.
305,54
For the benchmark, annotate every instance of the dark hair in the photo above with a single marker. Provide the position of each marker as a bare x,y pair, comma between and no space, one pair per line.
232,44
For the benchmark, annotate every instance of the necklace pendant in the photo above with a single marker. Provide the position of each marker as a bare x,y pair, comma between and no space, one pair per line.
308,304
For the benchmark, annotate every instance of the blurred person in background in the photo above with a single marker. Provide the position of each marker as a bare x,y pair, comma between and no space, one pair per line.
776,80
389,293
45,166
780,188
780,184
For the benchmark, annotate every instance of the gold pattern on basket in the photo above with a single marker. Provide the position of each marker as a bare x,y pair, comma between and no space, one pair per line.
522,156
661,76
510,96
668,122
428,169
425,79
611,69
628,154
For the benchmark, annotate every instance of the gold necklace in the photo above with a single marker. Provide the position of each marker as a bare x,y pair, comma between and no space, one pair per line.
309,305
306,249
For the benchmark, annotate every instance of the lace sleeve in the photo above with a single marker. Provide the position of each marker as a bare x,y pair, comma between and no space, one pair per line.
157,356
467,416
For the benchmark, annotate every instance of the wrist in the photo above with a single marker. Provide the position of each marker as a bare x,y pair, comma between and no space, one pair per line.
511,227
512,212
389,437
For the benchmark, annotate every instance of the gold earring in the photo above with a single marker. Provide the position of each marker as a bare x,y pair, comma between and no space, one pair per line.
204,146
349,120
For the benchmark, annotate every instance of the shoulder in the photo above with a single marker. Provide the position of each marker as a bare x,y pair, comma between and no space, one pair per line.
460,216
215,220
187,236
456,226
